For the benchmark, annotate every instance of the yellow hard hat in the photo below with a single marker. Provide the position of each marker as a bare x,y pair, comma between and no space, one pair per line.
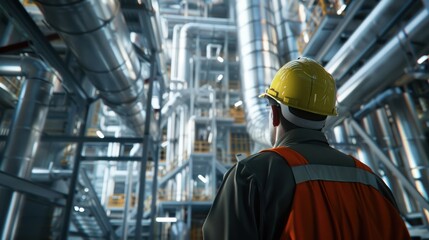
306,85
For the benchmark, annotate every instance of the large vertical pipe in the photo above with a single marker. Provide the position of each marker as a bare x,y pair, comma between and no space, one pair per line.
258,62
24,136
174,51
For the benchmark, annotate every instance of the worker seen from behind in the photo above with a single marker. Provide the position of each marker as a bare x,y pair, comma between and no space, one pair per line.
302,188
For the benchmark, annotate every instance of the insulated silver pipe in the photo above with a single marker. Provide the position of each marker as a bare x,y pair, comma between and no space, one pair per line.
364,36
97,34
376,75
405,203
258,62
24,135
175,51
413,141
48,175
386,161
176,99
373,129
369,125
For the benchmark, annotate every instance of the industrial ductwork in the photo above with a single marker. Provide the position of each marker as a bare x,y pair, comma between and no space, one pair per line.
364,37
259,62
386,66
97,34
27,125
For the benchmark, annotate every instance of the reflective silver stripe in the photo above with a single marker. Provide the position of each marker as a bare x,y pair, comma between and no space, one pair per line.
312,172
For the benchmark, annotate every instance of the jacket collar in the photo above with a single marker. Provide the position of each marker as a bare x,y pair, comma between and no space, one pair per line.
301,135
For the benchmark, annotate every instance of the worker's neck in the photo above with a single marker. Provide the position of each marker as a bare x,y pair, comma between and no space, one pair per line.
279,135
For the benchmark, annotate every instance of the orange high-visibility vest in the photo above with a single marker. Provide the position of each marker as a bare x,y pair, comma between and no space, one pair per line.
338,202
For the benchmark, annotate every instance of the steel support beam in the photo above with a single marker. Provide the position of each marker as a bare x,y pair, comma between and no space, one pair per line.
73,180
28,187
173,173
147,140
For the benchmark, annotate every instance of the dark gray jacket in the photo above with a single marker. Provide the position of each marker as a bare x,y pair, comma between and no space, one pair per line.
255,197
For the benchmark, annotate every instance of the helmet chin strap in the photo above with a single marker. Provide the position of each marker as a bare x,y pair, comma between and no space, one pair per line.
301,122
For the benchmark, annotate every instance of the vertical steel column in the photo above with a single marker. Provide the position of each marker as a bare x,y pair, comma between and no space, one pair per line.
153,208
147,140
74,179
225,80
128,196
213,144
191,191
156,156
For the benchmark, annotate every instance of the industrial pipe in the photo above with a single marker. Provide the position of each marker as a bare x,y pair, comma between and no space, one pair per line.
183,69
97,34
364,36
375,75
258,62
414,143
24,135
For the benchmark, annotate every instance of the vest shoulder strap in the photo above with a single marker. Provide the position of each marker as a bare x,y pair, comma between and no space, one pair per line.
304,172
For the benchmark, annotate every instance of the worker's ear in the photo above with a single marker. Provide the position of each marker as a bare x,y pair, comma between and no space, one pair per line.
275,110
